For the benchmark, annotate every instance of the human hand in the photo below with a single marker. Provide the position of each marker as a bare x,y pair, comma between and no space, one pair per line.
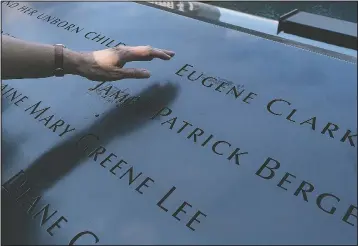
108,64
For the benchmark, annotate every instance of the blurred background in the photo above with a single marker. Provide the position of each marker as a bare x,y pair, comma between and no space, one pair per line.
341,10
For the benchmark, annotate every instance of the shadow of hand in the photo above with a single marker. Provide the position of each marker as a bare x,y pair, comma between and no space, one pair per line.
60,160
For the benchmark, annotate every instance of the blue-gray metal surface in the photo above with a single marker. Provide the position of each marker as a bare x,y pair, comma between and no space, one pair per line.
343,10
216,162
327,23
321,28
254,25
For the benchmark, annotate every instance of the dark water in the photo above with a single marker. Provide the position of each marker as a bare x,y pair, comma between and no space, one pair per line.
273,10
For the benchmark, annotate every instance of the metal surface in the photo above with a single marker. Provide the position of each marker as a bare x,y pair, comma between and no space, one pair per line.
241,207
274,9
321,28
254,25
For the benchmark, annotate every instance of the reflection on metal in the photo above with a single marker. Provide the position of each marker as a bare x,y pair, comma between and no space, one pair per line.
254,140
283,17
254,25
321,28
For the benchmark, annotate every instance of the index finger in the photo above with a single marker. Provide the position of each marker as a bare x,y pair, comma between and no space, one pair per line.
146,53
160,53
168,52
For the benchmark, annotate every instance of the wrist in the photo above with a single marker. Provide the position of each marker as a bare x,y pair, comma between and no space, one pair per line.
72,61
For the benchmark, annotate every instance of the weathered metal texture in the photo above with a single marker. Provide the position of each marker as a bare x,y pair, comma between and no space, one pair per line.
220,171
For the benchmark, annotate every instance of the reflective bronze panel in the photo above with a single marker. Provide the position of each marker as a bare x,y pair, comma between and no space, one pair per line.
236,140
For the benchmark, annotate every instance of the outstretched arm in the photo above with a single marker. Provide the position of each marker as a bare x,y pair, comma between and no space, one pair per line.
22,59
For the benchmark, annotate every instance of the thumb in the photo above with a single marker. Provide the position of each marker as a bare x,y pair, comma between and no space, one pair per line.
134,73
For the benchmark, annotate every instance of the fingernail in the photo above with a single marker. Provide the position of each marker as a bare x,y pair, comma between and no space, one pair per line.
145,73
